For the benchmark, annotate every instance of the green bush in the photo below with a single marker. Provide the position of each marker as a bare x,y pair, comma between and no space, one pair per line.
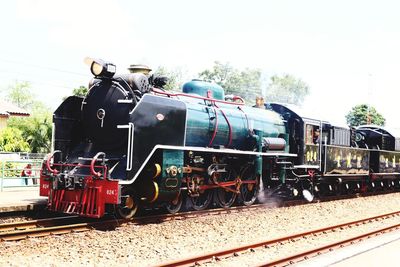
11,169
12,140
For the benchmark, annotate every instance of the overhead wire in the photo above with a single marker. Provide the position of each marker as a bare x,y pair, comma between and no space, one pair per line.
35,81
45,83
42,67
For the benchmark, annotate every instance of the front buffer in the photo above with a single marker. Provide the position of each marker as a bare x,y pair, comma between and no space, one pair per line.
84,195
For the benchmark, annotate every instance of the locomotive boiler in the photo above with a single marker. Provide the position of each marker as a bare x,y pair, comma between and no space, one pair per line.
129,143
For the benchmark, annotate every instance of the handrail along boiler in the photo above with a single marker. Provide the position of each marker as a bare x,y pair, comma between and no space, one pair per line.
129,143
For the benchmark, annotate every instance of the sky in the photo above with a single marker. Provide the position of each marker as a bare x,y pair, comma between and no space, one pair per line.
348,52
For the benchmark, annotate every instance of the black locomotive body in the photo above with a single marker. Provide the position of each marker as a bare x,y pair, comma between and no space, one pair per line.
129,143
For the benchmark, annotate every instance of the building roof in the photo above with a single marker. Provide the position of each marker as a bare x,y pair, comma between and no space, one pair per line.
8,109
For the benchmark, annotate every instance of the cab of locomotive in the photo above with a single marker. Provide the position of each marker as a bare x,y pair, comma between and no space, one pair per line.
306,134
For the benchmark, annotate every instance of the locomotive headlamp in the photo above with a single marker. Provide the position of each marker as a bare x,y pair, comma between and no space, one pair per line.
96,68
100,68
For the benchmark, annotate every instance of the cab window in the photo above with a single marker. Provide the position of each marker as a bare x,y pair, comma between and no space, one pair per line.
312,134
309,134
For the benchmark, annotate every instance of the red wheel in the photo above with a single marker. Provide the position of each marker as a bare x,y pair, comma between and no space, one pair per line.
200,199
225,198
248,191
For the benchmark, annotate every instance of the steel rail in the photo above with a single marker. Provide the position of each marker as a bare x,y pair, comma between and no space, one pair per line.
45,231
193,214
286,203
67,224
18,234
233,251
327,248
34,223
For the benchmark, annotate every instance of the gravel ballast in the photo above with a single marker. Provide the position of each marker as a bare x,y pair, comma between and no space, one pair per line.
143,245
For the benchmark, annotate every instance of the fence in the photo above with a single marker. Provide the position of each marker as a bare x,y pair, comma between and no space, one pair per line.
18,173
22,155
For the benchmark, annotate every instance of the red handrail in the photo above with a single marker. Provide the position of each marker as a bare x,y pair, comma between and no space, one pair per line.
215,128
229,125
92,170
54,171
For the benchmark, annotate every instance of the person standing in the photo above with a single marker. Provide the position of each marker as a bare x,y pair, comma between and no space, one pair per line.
27,172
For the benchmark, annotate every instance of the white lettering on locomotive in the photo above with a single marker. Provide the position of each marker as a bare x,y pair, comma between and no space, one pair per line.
110,192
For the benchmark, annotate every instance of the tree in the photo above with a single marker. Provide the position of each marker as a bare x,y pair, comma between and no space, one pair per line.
20,94
80,91
36,129
39,135
220,73
12,140
174,78
364,114
245,83
287,89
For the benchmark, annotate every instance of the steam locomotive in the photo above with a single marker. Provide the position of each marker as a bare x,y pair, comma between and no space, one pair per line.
129,144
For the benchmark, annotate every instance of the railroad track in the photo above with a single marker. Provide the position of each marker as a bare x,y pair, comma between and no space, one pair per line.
44,227
305,255
62,225
234,209
23,225
216,256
